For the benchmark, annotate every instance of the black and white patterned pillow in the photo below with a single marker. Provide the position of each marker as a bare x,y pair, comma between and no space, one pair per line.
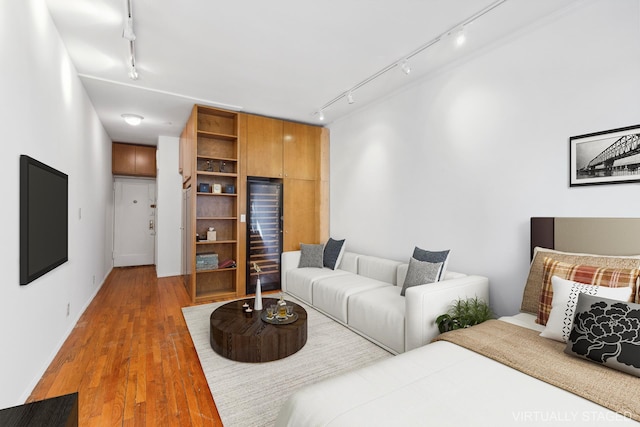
606,331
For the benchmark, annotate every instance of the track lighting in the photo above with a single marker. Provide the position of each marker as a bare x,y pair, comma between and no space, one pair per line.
350,99
133,73
405,67
132,119
460,37
127,32
458,31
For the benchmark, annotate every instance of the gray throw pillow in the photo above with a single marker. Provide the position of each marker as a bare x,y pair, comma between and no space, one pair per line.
419,273
606,331
333,253
431,256
310,255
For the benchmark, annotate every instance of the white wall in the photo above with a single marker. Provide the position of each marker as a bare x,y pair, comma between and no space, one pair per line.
46,114
463,159
169,212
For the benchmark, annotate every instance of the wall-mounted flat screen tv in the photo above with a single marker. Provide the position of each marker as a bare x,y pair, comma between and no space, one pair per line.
44,219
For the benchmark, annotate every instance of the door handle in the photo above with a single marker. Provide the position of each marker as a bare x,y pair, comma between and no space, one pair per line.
150,224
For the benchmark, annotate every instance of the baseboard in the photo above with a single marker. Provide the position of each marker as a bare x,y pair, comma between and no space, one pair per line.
55,352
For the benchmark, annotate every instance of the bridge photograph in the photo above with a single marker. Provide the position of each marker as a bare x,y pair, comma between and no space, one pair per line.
608,157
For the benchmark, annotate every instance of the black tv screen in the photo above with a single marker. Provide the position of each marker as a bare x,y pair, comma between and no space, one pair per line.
44,223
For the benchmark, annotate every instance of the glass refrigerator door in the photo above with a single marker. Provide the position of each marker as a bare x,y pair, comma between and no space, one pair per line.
264,234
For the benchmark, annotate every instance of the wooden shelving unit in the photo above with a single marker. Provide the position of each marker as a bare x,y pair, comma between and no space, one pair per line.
215,161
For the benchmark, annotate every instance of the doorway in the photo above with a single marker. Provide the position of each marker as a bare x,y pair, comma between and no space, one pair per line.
134,240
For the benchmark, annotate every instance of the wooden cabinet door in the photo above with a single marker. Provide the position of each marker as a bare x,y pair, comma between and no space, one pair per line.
300,219
123,159
264,147
301,143
145,160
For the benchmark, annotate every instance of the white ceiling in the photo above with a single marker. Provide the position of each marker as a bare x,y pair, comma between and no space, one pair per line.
282,58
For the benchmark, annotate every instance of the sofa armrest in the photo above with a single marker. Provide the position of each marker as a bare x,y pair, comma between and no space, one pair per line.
425,303
289,261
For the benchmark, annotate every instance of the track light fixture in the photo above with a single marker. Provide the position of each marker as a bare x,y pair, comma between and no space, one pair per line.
405,67
460,37
133,73
129,35
127,32
350,99
403,62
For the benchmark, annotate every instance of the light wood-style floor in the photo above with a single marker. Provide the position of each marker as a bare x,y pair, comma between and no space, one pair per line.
131,359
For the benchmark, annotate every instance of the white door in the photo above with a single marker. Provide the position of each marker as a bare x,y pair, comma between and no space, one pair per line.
135,222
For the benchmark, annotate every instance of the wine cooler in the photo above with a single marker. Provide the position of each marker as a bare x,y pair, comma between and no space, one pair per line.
264,233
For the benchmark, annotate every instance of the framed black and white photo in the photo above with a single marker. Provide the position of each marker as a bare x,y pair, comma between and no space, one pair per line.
608,157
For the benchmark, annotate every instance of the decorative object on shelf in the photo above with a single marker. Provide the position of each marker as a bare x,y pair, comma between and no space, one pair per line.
463,314
223,165
230,189
605,157
245,305
207,261
209,166
217,188
228,263
211,234
204,187
258,304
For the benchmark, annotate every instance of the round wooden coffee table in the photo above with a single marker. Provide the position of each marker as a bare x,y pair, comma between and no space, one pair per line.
245,337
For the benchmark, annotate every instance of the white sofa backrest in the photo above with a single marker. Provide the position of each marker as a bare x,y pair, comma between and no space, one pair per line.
349,262
402,274
376,268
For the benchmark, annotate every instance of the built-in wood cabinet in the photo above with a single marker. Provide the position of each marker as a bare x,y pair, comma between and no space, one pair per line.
264,146
224,148
133,160
210,150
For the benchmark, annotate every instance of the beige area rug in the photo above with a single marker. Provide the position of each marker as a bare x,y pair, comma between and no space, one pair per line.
251,394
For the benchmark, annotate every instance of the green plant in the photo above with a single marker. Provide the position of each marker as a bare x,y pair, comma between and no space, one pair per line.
464,313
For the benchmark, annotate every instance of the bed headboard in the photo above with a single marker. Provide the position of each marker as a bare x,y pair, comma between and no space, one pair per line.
600,236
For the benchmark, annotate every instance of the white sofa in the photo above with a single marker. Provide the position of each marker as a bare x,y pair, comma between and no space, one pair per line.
363,293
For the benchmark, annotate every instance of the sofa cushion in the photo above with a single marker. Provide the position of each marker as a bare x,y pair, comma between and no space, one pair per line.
379,314
420,273
311,255
300,281
331,294
384,270
333,251
431,256
349,262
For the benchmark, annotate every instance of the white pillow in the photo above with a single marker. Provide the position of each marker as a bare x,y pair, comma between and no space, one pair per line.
563,304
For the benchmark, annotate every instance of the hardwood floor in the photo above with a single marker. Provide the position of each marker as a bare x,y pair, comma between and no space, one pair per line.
131,359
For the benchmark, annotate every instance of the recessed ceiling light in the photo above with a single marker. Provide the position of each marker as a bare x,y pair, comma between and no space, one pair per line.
132,119
461,37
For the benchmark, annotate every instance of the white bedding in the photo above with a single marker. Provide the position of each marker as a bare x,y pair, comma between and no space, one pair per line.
441,384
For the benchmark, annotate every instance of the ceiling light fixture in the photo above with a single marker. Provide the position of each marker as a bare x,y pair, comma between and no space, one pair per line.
405,67
132,119
321,115
460,37
403,62
127,32
350,99
129,35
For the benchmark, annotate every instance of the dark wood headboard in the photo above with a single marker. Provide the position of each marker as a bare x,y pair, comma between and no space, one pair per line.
600,236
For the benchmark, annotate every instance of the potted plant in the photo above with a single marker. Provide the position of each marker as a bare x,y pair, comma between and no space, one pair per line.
464,313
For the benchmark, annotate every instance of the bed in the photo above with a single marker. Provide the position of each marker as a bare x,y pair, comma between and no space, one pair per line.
499,373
